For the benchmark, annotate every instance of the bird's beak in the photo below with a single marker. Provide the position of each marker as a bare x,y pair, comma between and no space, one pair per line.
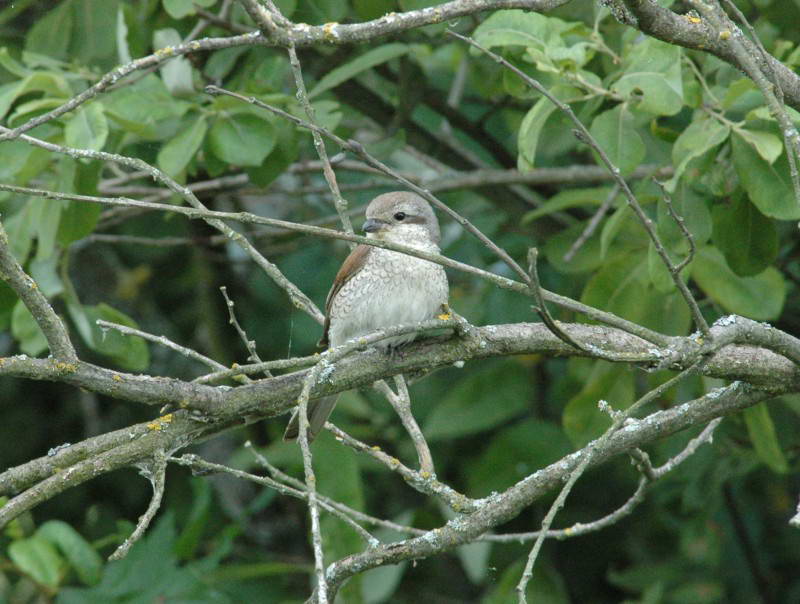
373,225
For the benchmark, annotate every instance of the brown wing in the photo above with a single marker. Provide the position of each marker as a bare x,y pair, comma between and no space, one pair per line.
352,264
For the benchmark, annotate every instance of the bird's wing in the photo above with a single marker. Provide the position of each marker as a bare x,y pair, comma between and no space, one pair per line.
350,267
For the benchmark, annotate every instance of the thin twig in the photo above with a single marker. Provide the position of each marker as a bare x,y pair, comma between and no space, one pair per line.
330,176
541,307
770,87
681,225
155,472
197,463
264,367
401,402
284,478
426,485
164,341
592,225
249,344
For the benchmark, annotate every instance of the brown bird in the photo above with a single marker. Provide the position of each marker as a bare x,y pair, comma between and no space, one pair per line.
377,288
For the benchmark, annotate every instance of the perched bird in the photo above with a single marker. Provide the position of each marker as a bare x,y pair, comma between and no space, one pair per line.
377,288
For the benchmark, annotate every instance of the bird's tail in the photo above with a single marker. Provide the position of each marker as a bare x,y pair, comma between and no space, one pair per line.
319,411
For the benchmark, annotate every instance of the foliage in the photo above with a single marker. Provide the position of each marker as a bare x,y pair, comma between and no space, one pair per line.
714,530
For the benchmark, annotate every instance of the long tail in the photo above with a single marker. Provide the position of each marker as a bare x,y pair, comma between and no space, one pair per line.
318,413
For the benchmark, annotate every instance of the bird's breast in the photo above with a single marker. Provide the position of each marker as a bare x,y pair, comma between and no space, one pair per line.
390,289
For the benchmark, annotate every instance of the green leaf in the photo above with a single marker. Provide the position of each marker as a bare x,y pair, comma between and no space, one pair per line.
26,331
8,299
197,521
88,128
700,136
768,185
534,121
372,9
768,146
140,107
47,228
569,198
481,401
748,239
242,139
96,25
759,297
762,434
613,226
652,74
692,207
78,218
37,558
322,12
176,72
129,352
81,556
50,35
659,274
51,84
616,134
178,152
45,273
379,584
519,28
474,559
369,59
178,9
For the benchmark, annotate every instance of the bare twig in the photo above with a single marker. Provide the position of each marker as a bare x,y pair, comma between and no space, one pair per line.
593,223
264,367
249,344
115,75
330,176
426,485
682,226
401,402
284,478
164,341
541,307
196,463
155,472
766,80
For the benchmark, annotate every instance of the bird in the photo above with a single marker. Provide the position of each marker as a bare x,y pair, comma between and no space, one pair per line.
377,288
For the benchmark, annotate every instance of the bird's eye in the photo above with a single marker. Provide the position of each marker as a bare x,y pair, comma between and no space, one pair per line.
400,216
